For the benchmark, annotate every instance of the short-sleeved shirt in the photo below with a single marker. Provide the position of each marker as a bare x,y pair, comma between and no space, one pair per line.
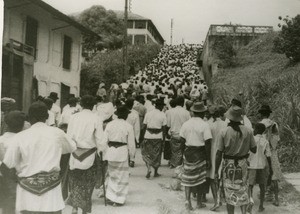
155,119
176,117
195,131
258,160
232,144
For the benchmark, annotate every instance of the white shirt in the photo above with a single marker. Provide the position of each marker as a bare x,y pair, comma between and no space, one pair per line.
57,111
119,130
86,129
66,114
35,150
134,120
175,119
258,160
155,119
149,106
4,143
195,131
51,119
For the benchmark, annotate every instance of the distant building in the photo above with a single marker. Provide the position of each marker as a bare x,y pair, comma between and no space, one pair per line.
41,52
141,30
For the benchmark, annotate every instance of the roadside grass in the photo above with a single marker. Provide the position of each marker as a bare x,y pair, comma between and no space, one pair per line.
265,77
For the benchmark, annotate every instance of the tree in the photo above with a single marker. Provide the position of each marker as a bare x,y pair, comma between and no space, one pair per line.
106,24
288,41
107,66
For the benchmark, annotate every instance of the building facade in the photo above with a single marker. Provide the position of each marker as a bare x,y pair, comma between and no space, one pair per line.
141,30
41,52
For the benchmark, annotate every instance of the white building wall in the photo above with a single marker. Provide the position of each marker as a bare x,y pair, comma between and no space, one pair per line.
48,64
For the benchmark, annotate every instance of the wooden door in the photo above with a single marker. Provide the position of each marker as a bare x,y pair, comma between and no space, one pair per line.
64,95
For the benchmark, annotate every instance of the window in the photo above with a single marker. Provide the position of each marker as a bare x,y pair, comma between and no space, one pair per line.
67,52
140,24
130,24
31,33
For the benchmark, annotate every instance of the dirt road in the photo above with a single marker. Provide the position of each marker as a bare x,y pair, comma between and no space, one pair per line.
154,196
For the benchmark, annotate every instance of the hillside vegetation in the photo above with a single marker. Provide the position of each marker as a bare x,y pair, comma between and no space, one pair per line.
266,77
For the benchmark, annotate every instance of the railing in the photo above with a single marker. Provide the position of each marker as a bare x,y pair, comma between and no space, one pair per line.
239,30
18,46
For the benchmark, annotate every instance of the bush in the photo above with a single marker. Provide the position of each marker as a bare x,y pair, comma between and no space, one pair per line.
107,66
264,78
225,51
288,41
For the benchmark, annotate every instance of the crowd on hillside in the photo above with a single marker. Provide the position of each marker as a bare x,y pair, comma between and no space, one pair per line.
52,156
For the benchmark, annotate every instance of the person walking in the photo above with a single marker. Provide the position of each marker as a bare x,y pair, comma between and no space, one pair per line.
154,132
35,154
134,120
15,123
196,135
120,144
86,129
55,108
176,117
272,135
216,127
234,143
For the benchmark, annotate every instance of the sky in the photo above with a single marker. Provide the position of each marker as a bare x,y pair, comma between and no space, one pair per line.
192,18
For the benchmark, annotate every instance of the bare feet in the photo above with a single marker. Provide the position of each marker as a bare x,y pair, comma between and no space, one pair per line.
215,207
188,205
74,210
157,175
201,205
148,174
261,209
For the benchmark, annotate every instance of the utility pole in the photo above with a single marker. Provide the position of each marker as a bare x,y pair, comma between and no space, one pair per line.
125,54
171,39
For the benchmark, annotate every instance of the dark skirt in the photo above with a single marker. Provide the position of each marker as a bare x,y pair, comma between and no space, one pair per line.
151,152
167,150
82,184
177,148
194,167
8,189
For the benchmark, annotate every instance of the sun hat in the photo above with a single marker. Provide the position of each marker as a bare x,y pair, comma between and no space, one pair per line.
53,96
198,107
234,113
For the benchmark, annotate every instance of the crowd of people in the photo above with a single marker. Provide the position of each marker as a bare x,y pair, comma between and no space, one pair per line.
52,157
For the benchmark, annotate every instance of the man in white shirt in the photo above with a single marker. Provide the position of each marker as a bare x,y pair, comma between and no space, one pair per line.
35,153
148,103
55,108
120,145
86,129
134,120
15,123
197,136
155,131
176,117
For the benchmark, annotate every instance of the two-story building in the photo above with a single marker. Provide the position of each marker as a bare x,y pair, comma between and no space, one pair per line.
41,52
141,30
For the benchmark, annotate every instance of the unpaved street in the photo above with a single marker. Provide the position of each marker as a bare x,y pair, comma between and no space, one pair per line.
154,196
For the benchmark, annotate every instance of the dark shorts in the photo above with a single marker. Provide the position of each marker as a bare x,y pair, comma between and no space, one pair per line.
257,176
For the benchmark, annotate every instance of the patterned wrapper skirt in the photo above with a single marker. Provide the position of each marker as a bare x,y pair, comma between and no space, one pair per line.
234,187
117,181
176,151
151,152
194,167
82,184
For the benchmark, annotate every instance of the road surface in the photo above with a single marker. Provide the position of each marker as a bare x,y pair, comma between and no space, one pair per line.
154,196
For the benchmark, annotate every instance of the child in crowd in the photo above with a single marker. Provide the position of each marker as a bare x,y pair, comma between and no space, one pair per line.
257,167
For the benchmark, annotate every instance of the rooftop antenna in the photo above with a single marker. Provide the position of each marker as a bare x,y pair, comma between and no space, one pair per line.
171,39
